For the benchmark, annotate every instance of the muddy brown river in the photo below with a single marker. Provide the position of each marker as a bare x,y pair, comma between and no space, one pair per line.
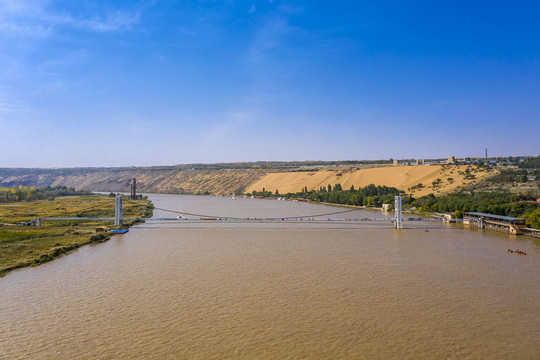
278,291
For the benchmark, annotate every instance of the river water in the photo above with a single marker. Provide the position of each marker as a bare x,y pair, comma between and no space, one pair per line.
278,291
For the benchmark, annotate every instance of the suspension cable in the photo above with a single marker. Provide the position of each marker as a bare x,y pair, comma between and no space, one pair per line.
232,217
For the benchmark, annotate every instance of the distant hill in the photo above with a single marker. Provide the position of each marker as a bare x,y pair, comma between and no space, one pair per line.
151,180
237,178
218,179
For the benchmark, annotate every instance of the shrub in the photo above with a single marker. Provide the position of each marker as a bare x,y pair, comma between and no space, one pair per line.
98,238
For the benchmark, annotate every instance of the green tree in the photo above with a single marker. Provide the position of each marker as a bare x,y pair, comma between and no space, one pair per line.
533,219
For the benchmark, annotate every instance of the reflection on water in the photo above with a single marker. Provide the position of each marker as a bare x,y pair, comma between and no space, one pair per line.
228,290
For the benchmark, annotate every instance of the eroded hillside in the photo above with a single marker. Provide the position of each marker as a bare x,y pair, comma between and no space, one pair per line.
216,182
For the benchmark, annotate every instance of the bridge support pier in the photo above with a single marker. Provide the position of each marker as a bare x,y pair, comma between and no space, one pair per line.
398,222
118,213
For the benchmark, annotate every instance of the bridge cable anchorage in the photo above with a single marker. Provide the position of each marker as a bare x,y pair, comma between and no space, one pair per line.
262,218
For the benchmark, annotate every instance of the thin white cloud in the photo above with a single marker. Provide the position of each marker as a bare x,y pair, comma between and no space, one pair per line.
9,107
269,36
12,29
222,132
38,19
57,64
117,21
273,32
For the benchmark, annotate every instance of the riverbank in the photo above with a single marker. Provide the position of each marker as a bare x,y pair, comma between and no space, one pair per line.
22,246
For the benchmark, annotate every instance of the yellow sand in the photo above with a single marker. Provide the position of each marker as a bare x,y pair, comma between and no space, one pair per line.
400,177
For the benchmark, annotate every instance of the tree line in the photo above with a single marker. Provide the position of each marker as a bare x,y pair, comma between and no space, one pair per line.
370,195
497,203
23,193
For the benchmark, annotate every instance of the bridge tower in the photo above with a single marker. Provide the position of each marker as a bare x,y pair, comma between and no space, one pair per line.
118,212
134,189
398,223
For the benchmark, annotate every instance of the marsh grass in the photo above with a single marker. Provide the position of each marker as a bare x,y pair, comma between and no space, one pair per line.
22,246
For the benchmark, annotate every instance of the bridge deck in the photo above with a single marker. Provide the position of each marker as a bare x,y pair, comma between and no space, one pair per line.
299,219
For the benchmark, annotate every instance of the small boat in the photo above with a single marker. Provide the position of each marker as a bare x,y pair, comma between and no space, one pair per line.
119,231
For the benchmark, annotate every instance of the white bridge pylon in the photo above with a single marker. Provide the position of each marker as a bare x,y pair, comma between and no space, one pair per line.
118,212
398,222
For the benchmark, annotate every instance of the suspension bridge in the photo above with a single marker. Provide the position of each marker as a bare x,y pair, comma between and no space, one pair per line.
182,216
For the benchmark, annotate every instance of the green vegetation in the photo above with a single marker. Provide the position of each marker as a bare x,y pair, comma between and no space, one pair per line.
23,193
370,195
498,203
533,219
530,163
22,246
511,176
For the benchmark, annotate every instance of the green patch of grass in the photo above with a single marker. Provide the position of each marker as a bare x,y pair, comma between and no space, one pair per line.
31,246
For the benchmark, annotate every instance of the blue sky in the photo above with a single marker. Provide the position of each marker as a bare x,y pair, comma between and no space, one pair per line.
122,83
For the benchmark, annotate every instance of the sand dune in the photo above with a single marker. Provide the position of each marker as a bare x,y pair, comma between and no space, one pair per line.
401,177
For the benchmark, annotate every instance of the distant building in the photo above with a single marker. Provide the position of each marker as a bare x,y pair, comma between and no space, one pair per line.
451,160
395,163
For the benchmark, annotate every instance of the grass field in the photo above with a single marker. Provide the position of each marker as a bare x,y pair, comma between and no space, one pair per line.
22,246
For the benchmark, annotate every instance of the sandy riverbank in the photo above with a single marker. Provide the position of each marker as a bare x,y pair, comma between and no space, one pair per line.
400,177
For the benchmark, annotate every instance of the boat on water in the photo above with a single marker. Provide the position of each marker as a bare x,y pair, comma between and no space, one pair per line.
119,231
